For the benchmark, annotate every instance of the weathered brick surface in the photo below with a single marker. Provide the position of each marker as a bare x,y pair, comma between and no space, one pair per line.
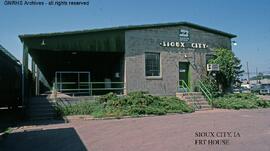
137,42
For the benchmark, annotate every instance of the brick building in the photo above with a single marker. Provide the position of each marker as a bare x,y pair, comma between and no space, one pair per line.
149,58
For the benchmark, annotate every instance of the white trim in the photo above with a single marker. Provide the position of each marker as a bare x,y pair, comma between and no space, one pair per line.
160,67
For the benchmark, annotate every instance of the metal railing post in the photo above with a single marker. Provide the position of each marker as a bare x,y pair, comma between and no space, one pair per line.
206,92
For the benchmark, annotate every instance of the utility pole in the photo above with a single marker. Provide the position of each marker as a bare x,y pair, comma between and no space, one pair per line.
247,73
257,76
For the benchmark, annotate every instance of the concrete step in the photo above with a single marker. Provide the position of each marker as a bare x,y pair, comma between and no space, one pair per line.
197,107
202,105
41,102
198,100
199,104
41,108
192,93
38,110
189,94
195,99
203,109
42,114
41,105
41,98
42,117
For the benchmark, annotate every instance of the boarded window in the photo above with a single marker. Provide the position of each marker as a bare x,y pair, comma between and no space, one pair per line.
152,64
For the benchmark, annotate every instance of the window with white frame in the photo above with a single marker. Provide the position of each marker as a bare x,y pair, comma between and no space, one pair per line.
152,64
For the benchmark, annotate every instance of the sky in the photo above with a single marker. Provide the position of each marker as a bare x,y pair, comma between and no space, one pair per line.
249,20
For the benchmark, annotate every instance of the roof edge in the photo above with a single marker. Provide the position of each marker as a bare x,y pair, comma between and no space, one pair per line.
8,54
128,27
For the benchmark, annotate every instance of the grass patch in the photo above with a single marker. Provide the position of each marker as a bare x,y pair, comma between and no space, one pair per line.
134,104
82,108
8,130
240,101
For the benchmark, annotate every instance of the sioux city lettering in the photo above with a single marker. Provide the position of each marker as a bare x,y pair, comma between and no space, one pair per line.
178,44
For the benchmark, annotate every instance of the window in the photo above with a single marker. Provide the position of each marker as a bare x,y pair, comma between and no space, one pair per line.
152,64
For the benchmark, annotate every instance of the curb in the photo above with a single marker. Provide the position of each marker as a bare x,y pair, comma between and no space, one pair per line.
70,119
3,135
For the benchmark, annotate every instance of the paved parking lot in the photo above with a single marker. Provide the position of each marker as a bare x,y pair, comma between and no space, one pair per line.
247,130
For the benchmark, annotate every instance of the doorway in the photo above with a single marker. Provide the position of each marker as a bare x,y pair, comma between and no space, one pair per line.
184,72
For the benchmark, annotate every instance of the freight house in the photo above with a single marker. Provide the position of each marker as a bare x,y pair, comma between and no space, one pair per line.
149,58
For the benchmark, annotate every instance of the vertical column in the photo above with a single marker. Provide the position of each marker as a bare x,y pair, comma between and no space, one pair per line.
25,82
79,80
33,80
33,67
89,84
125,76
60,81
37,80
55,86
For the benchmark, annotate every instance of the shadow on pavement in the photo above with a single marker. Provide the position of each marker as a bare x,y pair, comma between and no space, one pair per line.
29,122
16,118
62,139
10,118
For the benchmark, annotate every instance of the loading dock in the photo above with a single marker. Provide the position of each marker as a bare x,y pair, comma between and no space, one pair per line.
123,59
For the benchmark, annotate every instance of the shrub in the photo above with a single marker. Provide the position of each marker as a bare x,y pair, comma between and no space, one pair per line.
134,104
81,108
211,85
240,101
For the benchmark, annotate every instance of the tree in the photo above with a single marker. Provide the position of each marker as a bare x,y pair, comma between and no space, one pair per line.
230,68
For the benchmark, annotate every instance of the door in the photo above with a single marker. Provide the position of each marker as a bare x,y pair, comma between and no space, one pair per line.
183,72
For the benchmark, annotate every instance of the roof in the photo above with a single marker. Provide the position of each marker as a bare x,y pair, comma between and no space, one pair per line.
8,54
129,27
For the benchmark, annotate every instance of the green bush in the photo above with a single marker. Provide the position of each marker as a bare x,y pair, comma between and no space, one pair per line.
211,86
81,108
240,101
134,104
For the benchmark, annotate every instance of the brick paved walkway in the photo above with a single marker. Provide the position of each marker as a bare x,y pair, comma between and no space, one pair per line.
246,130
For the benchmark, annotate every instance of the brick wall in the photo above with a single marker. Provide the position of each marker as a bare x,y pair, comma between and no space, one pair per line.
137,42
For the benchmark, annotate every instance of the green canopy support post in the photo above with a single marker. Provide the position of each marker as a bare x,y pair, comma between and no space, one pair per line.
33,80
25,75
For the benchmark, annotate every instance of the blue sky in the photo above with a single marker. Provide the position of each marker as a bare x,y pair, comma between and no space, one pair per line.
249,19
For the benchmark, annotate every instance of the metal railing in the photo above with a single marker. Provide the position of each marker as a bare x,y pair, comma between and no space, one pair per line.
206,92
89,88
183,87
